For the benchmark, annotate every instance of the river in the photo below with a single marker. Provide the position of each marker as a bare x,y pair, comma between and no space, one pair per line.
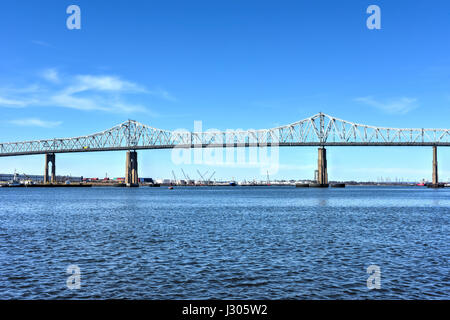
224,242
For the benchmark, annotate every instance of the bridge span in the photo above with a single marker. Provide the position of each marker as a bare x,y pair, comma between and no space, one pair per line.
320,130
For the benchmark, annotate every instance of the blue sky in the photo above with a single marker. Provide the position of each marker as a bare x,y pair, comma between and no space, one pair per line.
231,64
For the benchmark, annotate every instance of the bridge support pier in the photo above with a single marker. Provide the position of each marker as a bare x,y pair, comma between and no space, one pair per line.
435,179
435,166
131,169
50,157
322,167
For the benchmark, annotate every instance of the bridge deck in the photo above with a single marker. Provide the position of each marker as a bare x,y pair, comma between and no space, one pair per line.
318,130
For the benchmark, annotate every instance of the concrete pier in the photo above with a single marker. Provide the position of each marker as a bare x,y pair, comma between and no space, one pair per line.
50,157
131,168
322,178
435,178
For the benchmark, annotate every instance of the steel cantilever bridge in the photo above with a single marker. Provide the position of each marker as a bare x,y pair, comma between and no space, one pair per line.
319,130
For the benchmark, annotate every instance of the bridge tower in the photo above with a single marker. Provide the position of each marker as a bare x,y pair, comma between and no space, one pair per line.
131,168
435,167
50,157
322,167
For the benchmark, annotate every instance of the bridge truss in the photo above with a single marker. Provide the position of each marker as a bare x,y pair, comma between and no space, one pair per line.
318,130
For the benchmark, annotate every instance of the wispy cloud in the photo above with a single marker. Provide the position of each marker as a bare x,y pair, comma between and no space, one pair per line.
95,103
102,83
162,94
42,43
401,105
82,92
13,103
34,122
51,75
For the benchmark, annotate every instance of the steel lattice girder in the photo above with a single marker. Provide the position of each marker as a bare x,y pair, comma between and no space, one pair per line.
318,130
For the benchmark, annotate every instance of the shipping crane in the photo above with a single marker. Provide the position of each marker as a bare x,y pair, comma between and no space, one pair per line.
174,177
210,177
186,176
203,179
28,180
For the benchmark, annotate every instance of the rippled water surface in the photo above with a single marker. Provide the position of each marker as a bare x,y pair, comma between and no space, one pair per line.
225,242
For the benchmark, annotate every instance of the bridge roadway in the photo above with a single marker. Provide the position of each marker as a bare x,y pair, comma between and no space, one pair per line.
320,130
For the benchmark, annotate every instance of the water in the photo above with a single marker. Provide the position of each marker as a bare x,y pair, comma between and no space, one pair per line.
225,242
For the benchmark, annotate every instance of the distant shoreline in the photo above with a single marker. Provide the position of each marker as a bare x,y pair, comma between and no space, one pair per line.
111,185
